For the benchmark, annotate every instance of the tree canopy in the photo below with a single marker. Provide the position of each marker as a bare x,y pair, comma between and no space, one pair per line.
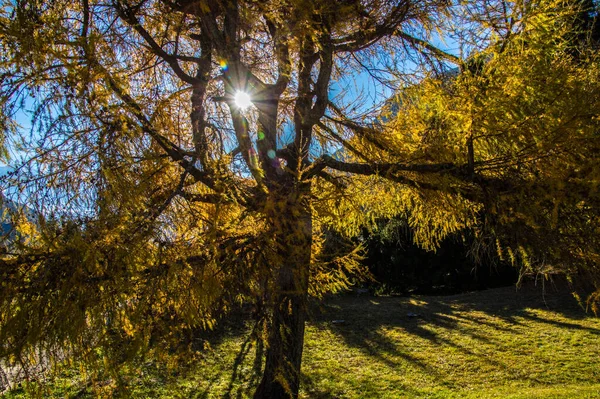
156,202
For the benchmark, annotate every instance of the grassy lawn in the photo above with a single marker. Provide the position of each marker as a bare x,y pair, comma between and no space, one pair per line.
500,343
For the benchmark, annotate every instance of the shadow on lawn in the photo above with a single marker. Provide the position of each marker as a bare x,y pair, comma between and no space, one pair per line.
430,320
367,322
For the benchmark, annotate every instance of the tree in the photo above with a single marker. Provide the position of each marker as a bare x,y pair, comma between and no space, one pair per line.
521,109
162,202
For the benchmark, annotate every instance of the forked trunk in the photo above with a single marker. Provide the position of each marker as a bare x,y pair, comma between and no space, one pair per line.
281,377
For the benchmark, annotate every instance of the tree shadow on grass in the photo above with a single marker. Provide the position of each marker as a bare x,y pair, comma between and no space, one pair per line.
241,369
514,304
314,390
251,340
435,321
458,323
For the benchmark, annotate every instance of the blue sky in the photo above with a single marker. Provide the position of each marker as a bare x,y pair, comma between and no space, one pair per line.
358,89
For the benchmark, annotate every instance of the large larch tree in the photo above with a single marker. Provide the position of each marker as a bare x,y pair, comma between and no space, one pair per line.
186,156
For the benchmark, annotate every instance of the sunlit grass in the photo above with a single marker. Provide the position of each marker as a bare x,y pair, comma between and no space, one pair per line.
489,344
492,344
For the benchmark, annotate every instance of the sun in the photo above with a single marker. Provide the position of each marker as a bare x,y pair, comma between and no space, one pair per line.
242,100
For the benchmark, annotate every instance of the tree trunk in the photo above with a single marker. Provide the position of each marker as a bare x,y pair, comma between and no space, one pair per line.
281,377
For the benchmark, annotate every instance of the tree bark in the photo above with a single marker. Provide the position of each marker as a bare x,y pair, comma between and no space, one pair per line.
281,376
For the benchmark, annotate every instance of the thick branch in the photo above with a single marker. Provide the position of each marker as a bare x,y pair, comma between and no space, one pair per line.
209,26
230,28
302,109
198,96
205,198
174,152
282,52
130,19
240,125
423,44
336,181
365,37
170,148
387,170
322,84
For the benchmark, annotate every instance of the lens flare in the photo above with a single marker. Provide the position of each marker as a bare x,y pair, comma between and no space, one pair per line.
242,100
223,65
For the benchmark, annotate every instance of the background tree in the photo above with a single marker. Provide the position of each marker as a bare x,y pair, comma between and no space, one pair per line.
520,118
399,266
162,201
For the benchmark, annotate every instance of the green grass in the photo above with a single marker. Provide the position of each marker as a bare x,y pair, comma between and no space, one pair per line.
499,343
